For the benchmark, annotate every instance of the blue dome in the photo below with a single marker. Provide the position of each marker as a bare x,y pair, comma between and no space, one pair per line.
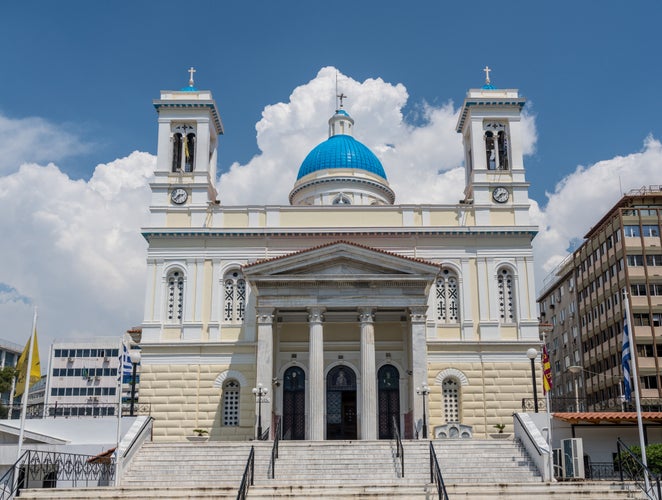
341,151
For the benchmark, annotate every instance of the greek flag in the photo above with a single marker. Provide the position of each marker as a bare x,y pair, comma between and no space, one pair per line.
125,363
625,361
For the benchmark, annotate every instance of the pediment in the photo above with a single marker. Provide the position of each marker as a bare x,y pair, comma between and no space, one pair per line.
341,259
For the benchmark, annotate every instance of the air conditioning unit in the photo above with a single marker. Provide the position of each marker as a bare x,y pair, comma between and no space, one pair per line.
97,378
70,360
572,458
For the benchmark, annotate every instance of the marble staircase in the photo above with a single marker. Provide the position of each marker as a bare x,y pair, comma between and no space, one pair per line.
475,469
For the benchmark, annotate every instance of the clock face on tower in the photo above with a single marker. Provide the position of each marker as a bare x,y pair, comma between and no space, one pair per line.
179,196
500,194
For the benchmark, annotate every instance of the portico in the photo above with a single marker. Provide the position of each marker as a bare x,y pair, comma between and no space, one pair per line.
339,313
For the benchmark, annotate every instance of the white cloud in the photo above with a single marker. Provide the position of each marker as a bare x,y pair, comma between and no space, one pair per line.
73,249
35,140
581,199
412,156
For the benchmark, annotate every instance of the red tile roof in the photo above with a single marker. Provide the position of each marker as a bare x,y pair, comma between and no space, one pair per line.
614,416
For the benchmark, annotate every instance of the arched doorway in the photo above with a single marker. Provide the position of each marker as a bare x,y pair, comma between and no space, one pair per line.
294,404
388,404
341,403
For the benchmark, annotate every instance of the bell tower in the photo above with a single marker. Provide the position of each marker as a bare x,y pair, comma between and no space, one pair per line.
185,178
491,128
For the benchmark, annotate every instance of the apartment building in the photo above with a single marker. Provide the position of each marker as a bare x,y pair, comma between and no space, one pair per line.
583,302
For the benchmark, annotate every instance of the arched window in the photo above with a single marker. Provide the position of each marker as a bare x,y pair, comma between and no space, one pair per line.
183,148
450,390
175,299
189,152
506,292
490,150
231,403
234,297
502,145
176,152
448,302
342,199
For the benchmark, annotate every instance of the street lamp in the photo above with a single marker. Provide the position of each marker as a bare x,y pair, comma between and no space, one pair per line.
424,390
259,392
135,361
532,354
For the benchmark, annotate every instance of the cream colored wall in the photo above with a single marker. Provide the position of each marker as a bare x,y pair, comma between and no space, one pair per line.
178,219
494,391
502,218
183,398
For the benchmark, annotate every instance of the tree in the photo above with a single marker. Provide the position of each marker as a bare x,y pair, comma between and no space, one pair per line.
653,458
7,375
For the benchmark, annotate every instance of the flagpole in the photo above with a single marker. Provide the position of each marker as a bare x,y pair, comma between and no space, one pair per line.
24,396
119,412
635,380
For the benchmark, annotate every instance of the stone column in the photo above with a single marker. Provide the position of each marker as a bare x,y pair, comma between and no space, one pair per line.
368,376
316,389
419,356
265,361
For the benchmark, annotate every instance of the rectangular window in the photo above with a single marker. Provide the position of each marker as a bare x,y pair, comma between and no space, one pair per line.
58,353
631,231
650,231
649,382
654,260
53,391
638,289
86,353
655,289
657,319
635,260
641,319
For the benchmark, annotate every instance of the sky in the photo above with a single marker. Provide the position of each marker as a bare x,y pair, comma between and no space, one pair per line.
78,129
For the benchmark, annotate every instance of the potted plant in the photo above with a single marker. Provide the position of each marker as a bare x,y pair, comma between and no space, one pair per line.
500,434
200,435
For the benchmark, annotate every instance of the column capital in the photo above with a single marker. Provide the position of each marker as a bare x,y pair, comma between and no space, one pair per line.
418,314
366,314
316,314
265,315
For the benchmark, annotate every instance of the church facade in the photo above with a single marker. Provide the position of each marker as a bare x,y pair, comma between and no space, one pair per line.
351,314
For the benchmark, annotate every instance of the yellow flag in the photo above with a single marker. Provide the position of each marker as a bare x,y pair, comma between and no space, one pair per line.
22,367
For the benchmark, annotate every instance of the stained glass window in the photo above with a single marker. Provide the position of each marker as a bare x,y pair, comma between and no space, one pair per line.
447,299
506,293
234,297
175,299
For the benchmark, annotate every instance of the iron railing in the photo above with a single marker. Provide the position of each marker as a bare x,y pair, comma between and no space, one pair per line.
630,465
247,478
602,471
47,469
435,475
274,451
569,405
68,410
400,451
265,435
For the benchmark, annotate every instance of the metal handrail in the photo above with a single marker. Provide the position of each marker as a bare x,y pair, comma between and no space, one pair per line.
265,435
53,468
247,478
638,473
274,451
400,451
435,475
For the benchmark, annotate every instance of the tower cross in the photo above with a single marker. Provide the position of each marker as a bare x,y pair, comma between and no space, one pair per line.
191,70
487,74
341,96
